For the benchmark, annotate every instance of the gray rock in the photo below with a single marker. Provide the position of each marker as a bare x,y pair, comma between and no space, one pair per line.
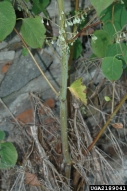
3,44
38,85
20,104
7,55
22,71
16,105
6,126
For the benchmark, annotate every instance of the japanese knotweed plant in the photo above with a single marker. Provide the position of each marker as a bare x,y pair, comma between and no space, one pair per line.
33,35
107,44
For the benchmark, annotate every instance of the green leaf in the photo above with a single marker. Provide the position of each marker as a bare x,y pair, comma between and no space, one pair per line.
7,19
8,155
114,18
25,51
112,68
33,31
107,98
125,3
100,44
2,135
117,49
78,90
39,7
100,5
44,2
77,49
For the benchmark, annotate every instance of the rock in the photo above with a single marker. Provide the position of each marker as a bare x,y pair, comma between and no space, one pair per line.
3,44
21,72
7,55
15,105
6,125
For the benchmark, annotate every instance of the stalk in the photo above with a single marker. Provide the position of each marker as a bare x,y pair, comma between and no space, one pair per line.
63,90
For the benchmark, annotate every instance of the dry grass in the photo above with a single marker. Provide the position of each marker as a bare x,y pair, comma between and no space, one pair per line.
40,151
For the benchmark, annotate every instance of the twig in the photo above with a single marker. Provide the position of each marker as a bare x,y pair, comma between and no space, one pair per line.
97,89
10,113
113,94
34,131
36,63
85,28
106,124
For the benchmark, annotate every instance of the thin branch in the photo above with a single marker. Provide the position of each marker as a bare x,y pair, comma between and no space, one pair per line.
10,113
36,63
106,124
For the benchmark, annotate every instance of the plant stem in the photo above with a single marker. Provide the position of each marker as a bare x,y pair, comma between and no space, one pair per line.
106,124
63,90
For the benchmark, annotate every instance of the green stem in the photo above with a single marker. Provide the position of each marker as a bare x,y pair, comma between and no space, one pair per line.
63,91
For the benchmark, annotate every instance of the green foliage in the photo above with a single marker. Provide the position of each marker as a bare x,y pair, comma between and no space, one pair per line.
125,3
8,153
112,68
100,42
100,5
2,135
33,32
78,90
39,6
7,19
25,52
77,49
114,52
114,18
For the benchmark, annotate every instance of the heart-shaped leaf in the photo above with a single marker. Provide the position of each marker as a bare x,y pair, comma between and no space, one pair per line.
33,32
